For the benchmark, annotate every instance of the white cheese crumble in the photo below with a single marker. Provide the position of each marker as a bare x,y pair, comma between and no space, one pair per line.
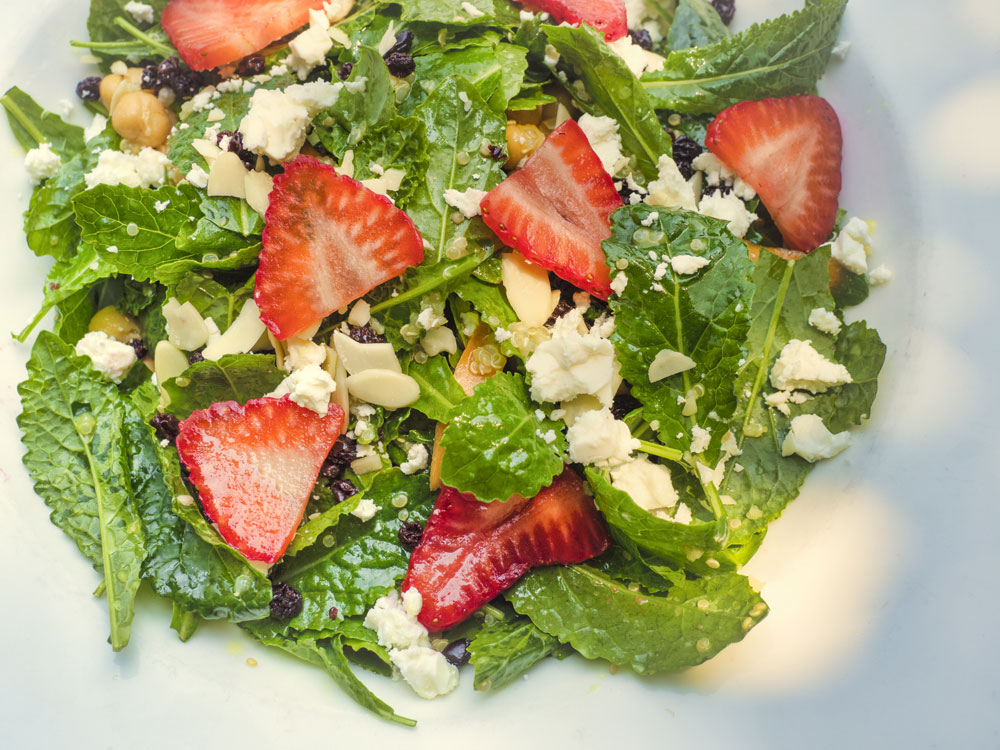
824,320
302,352
108,356
781,399
810,439
853,246
466,201
416,459
308,49
648,484
686,264
801,367
597,438
570,364
96,127
717,173
365,510
310,387
728,208
197,176
602,132
619,282
879,276
637,59
670,189
145,169
42,163
277,122
700,438
141,12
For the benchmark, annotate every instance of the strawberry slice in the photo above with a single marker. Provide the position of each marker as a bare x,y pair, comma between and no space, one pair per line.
254,466
471,551
209,33
556,208
328,240
607,16
789,151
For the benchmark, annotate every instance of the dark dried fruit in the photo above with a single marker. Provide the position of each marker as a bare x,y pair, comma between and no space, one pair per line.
496,153
166,426
185,83
725,9
251,66
139,348
235,145
286,602
409,534
400,64
685,151
722,190
168,66
195,357
561,309
642,39
344,450
365,335
342,489
150,78
404,43
89,89
624,403
344,71
333,613
457,652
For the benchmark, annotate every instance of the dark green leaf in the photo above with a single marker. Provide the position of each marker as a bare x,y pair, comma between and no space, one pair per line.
696,24
439,391
33,126
503,651
234,377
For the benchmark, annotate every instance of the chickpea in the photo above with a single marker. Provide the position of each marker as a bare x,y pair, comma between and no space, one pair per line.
141,118
522,141
109,85
121,327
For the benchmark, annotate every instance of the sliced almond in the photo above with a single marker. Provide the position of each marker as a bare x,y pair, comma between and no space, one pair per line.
207,149
341,397
227,176
257,189
241,336
361,314
528,289
358,357
437,455
168,362
667,363
387,388
186,328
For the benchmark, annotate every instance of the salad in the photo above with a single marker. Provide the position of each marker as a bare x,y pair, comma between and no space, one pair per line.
411,336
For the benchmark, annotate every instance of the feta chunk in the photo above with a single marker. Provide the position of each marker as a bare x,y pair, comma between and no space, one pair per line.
619,282
466,201
416,459
716,173
853,246
686,264
145,169
108,356
700,439
310,387
637,59
141,12
197,176
365,510
824,320
670,189
597,438
425,670
277,122
810,439
42,163
801,367
302,352
570,364
648,484
728,208
602,132
879,276
394,626
308,49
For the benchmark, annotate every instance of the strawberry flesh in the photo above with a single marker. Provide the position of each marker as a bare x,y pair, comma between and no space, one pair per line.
556,210
328,240
607,16
788,150
254,466
210,33
471,551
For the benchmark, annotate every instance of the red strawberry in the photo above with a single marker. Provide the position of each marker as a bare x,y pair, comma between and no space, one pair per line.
328,240
209,33
789,151
556,208
255,466
607,16
471,551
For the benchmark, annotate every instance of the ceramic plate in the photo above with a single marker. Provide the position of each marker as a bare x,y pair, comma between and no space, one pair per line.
881,577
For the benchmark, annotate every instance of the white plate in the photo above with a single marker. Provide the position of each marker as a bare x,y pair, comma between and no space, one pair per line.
881,577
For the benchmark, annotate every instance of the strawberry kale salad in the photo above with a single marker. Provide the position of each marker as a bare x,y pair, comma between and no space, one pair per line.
411,335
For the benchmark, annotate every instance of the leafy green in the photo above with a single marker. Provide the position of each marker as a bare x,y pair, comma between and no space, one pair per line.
649,633
455,13
32,126
211,299
234,377
781,57
861,350
113,33
495,446
72,429
696,24
496,71
502,651
614,92
232,214
356,112
439,391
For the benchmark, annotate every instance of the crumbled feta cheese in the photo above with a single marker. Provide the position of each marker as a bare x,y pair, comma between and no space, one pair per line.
570,364
700,438
602,132
810,439
425,670
365,510
302,353
801,367
840,49
308,49
525,15
141,12
416,459
717,173
96,127
466,201
310,387
670,189
651,218
42,163
109,357
728,208
637,59
277,122
393,625
551,56
781,399
161,206
853,246
619,282
879,276
204,98
597,438
197,176
686,264
337,10
357,86
648,484
824,320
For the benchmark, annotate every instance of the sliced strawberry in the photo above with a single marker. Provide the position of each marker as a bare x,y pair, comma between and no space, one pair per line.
328,240
471,551
209,33
254,466
556,208
789,151
607,16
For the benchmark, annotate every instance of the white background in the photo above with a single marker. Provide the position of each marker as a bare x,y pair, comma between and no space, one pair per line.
881,577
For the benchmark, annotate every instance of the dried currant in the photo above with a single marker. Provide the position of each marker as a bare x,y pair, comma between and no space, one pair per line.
410,534
365,335
89,89
166,426
286,601
457,652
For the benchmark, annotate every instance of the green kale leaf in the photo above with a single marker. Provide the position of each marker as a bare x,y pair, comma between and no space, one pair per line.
234,377
502,651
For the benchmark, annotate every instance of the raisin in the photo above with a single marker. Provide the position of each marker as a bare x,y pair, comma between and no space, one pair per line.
151,78
251,65
344,450
685,151
333,613
342,489
409,534
166,426
139,348
168,67
641,38
624,403
365,335
286,602
195,357
457,652
725,9
722,190
185,83
400,64
404,43
344,71
497,153
235,145
89,89
561,309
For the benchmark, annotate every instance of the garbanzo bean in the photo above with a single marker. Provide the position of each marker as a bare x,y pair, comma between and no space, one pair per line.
109,84
115,324
141,118
522,141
